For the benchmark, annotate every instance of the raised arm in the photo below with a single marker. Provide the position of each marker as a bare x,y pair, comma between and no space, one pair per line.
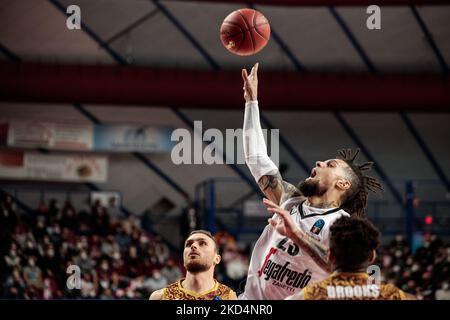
261,166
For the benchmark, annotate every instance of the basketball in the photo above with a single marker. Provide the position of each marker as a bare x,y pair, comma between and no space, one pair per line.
245,32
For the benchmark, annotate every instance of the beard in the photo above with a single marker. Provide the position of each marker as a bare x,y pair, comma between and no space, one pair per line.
196,266
311,188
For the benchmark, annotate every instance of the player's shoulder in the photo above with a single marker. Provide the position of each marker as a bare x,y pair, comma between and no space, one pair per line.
165,292
232,295
340,213
225,292
289,203
390,291
223,287
157,295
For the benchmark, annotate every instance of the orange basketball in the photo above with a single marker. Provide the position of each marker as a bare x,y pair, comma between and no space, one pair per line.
245,32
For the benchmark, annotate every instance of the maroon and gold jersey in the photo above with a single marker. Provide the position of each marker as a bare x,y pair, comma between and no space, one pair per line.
175,291
351,286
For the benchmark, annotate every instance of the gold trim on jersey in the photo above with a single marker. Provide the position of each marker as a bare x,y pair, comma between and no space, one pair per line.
176,291
197,295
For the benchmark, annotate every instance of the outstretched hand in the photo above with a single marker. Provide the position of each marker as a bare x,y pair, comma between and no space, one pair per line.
284,225
283,222
250,83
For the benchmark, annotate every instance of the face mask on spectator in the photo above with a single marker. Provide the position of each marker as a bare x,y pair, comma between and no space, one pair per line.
144,240
104,284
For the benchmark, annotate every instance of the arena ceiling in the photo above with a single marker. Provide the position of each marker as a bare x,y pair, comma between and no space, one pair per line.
185,34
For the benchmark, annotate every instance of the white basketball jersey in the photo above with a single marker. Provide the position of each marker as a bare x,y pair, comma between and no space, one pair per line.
278,267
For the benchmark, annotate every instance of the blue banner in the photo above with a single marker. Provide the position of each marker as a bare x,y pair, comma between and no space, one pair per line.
124,138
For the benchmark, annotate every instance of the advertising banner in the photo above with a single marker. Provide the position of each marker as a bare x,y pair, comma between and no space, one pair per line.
62,136
51,167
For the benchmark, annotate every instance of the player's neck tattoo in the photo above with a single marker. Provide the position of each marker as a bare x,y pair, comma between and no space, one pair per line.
322,205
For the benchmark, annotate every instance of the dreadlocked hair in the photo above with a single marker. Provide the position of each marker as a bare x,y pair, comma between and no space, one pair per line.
355,198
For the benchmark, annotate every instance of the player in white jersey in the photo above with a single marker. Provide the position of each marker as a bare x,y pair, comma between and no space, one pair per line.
292,250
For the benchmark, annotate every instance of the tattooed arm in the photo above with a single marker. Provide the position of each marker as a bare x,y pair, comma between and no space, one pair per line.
317,251
277,190
286,227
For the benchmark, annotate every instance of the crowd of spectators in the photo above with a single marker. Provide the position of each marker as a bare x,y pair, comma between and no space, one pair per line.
117,258
424,273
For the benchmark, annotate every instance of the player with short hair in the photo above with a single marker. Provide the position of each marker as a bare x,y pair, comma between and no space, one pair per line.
200,256
353,244
292,250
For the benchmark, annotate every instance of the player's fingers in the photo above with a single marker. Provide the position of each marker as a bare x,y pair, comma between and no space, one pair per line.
282,213
276,211
244,74
268,202
272,222
256,68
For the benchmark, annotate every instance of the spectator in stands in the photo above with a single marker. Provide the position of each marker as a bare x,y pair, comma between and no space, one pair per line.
171,271
53,210
84,262
156,281
8,223
100,219
106,294
50,287
69,217
161,250
88,286
12,259
443,293
15,286
236,265
32,274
